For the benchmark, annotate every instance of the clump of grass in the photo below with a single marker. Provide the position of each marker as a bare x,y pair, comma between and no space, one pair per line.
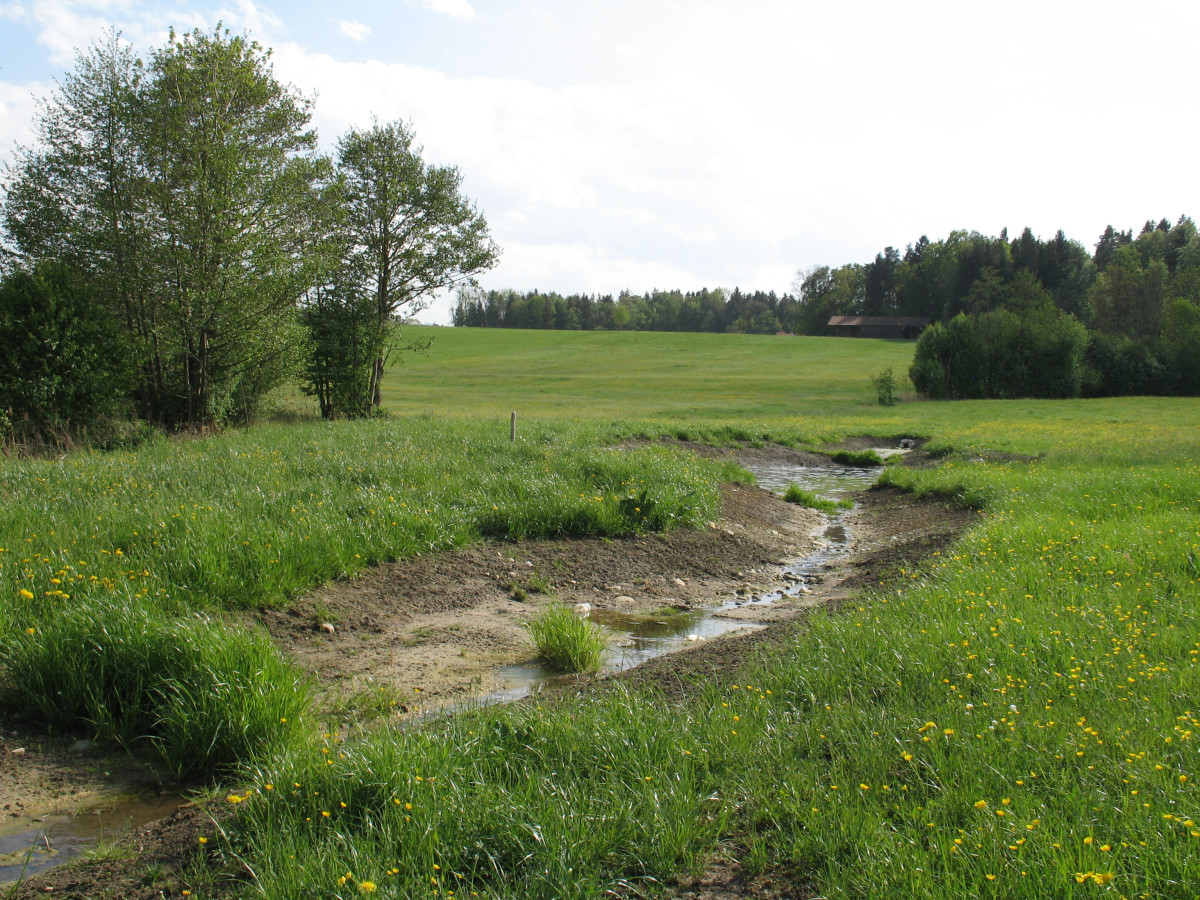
567,642
798,495
859,458
200,695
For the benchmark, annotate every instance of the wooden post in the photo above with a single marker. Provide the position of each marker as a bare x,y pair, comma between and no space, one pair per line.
512,427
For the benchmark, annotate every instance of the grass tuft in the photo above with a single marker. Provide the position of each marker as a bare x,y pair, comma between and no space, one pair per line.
566,641
798,495
858,458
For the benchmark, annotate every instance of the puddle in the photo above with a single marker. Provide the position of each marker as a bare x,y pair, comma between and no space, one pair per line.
29,846
640,637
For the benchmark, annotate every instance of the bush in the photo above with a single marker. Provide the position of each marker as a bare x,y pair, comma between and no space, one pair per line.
567,642
885,387
62,363
1000,354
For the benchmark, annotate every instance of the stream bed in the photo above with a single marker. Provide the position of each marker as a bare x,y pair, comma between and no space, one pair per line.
641,637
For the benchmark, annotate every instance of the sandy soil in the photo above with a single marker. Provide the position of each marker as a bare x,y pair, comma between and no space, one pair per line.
433,629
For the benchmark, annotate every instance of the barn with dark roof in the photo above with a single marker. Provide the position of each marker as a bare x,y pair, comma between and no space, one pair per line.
894,327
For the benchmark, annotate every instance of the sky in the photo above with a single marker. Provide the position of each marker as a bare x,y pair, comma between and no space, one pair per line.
659,144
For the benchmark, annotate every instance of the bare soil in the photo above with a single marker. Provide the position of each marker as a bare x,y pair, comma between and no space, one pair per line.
433,629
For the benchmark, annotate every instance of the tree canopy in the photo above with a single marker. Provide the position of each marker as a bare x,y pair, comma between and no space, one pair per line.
186,196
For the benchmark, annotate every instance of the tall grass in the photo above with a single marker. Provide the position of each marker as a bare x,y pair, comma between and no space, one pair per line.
567,642
793,493
199,695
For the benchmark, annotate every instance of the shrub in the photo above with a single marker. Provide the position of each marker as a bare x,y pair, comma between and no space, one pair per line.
567,642
62,361
1000,354
885,387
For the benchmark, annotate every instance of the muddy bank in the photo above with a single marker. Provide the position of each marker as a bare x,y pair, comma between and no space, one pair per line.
431,630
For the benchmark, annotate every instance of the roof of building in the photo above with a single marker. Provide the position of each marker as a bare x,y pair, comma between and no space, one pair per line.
893,321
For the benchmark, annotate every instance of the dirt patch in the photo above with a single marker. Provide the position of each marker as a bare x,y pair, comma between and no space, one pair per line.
433,628
429,630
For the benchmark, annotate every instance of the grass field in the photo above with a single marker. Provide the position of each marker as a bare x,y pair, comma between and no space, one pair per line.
608,375
1019,719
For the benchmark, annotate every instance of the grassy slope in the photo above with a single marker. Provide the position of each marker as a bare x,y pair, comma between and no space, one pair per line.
682,377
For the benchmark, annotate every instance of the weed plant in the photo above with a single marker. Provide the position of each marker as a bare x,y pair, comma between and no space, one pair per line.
793,493
567,642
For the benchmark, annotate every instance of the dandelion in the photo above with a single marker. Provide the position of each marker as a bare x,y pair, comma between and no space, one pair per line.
28,595
367,887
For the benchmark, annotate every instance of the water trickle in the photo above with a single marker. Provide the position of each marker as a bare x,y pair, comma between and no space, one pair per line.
640,637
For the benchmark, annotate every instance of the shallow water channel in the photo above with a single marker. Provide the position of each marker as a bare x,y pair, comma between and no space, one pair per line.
32,845
638,638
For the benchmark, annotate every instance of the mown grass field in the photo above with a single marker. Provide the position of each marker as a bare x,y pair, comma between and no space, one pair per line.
1018,719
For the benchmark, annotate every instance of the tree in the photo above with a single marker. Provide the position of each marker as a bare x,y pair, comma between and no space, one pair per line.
181,189
411,232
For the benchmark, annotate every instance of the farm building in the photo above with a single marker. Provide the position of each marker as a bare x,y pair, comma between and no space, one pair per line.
898,327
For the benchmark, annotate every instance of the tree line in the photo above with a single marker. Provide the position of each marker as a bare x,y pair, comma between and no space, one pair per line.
717,310
175,247
1027,317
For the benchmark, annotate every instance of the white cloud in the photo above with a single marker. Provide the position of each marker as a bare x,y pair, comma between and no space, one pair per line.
356,31
459,9
634,143
18,106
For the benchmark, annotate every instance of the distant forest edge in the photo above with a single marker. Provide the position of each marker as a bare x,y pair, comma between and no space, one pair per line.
1012,317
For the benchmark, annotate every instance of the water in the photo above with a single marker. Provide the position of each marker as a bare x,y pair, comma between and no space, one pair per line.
834,482
31,845
640,637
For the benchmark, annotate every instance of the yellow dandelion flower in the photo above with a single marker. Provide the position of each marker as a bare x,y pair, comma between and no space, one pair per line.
367,887
28,595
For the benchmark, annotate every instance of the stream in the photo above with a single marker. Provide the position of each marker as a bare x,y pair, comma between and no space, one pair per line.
638,638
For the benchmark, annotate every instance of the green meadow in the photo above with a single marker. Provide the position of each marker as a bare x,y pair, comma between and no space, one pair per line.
1017,718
